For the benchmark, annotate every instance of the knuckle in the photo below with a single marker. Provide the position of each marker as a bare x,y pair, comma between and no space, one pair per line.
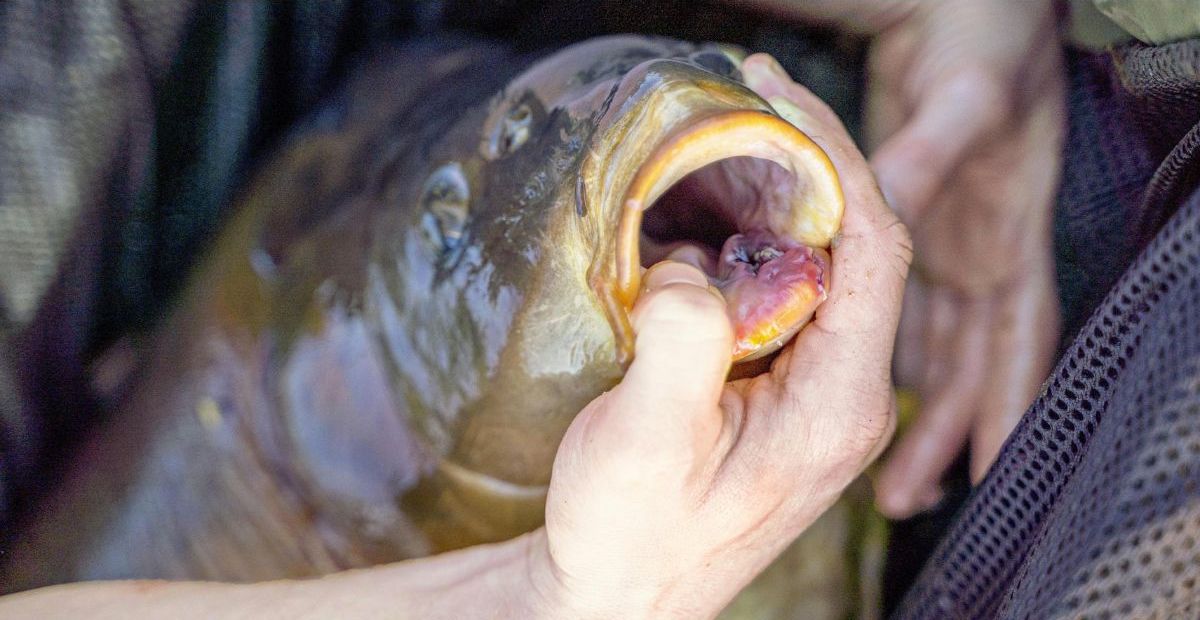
871,430
919,151
981,89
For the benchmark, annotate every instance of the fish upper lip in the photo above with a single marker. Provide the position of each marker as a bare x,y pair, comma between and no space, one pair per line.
716,137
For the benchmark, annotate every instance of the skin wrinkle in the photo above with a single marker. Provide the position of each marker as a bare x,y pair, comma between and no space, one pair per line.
543,594
731,406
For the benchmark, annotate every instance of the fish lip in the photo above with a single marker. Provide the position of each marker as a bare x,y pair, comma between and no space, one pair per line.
715,137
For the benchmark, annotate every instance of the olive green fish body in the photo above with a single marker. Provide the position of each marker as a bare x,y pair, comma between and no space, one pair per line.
380,354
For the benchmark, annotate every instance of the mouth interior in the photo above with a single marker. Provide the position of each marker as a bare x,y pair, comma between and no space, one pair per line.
748,198
695,218
718,218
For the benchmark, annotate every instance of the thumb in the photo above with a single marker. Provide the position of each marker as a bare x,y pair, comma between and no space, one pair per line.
666,408
684,338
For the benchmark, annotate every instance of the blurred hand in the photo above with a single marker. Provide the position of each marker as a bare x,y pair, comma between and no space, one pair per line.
675,488
966,112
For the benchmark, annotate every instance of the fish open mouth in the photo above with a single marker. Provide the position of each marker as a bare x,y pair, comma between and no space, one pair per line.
751,200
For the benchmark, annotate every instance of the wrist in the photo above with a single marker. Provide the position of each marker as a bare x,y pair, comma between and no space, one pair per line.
505,580
555,593
644,587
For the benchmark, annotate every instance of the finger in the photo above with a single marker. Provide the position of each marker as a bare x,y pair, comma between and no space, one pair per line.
863,18
943,324
893,424
870,260
1023,346
855,329
691,254
887,104
679,313
766,77
910,347
666,406
910,480
915,162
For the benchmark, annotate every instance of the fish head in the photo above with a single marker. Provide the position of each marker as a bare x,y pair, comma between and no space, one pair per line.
540,210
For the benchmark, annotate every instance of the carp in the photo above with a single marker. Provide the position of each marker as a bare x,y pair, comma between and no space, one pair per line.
419,291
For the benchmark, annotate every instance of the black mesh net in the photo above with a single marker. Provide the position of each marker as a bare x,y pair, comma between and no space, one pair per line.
1093,507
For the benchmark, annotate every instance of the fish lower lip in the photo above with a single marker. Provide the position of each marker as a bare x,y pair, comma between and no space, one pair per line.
765,311
771,288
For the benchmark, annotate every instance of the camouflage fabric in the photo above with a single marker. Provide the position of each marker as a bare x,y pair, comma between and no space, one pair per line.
125,126
1154,21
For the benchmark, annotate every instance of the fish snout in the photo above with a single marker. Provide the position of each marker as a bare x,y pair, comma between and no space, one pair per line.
720,179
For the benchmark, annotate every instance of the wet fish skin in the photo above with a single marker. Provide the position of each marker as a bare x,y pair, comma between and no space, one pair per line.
364,371
338,386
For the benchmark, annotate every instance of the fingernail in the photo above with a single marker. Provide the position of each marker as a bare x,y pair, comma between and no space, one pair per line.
692,255
793,114
671,272
761,67
772,65
778,69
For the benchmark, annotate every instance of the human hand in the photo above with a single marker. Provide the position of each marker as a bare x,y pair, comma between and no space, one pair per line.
966,105
673,490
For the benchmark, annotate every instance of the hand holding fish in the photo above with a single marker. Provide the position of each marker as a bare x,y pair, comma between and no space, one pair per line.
675,488
963,108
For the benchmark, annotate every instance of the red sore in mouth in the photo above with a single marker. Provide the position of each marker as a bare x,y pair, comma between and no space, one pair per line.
772,285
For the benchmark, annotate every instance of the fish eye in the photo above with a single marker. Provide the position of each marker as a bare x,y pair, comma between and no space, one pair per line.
445,200
515,130
715,62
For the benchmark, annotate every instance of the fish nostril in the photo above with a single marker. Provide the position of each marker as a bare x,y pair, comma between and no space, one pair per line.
445,200
715,62
516,129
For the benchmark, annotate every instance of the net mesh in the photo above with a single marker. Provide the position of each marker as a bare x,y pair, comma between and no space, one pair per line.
1093,507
